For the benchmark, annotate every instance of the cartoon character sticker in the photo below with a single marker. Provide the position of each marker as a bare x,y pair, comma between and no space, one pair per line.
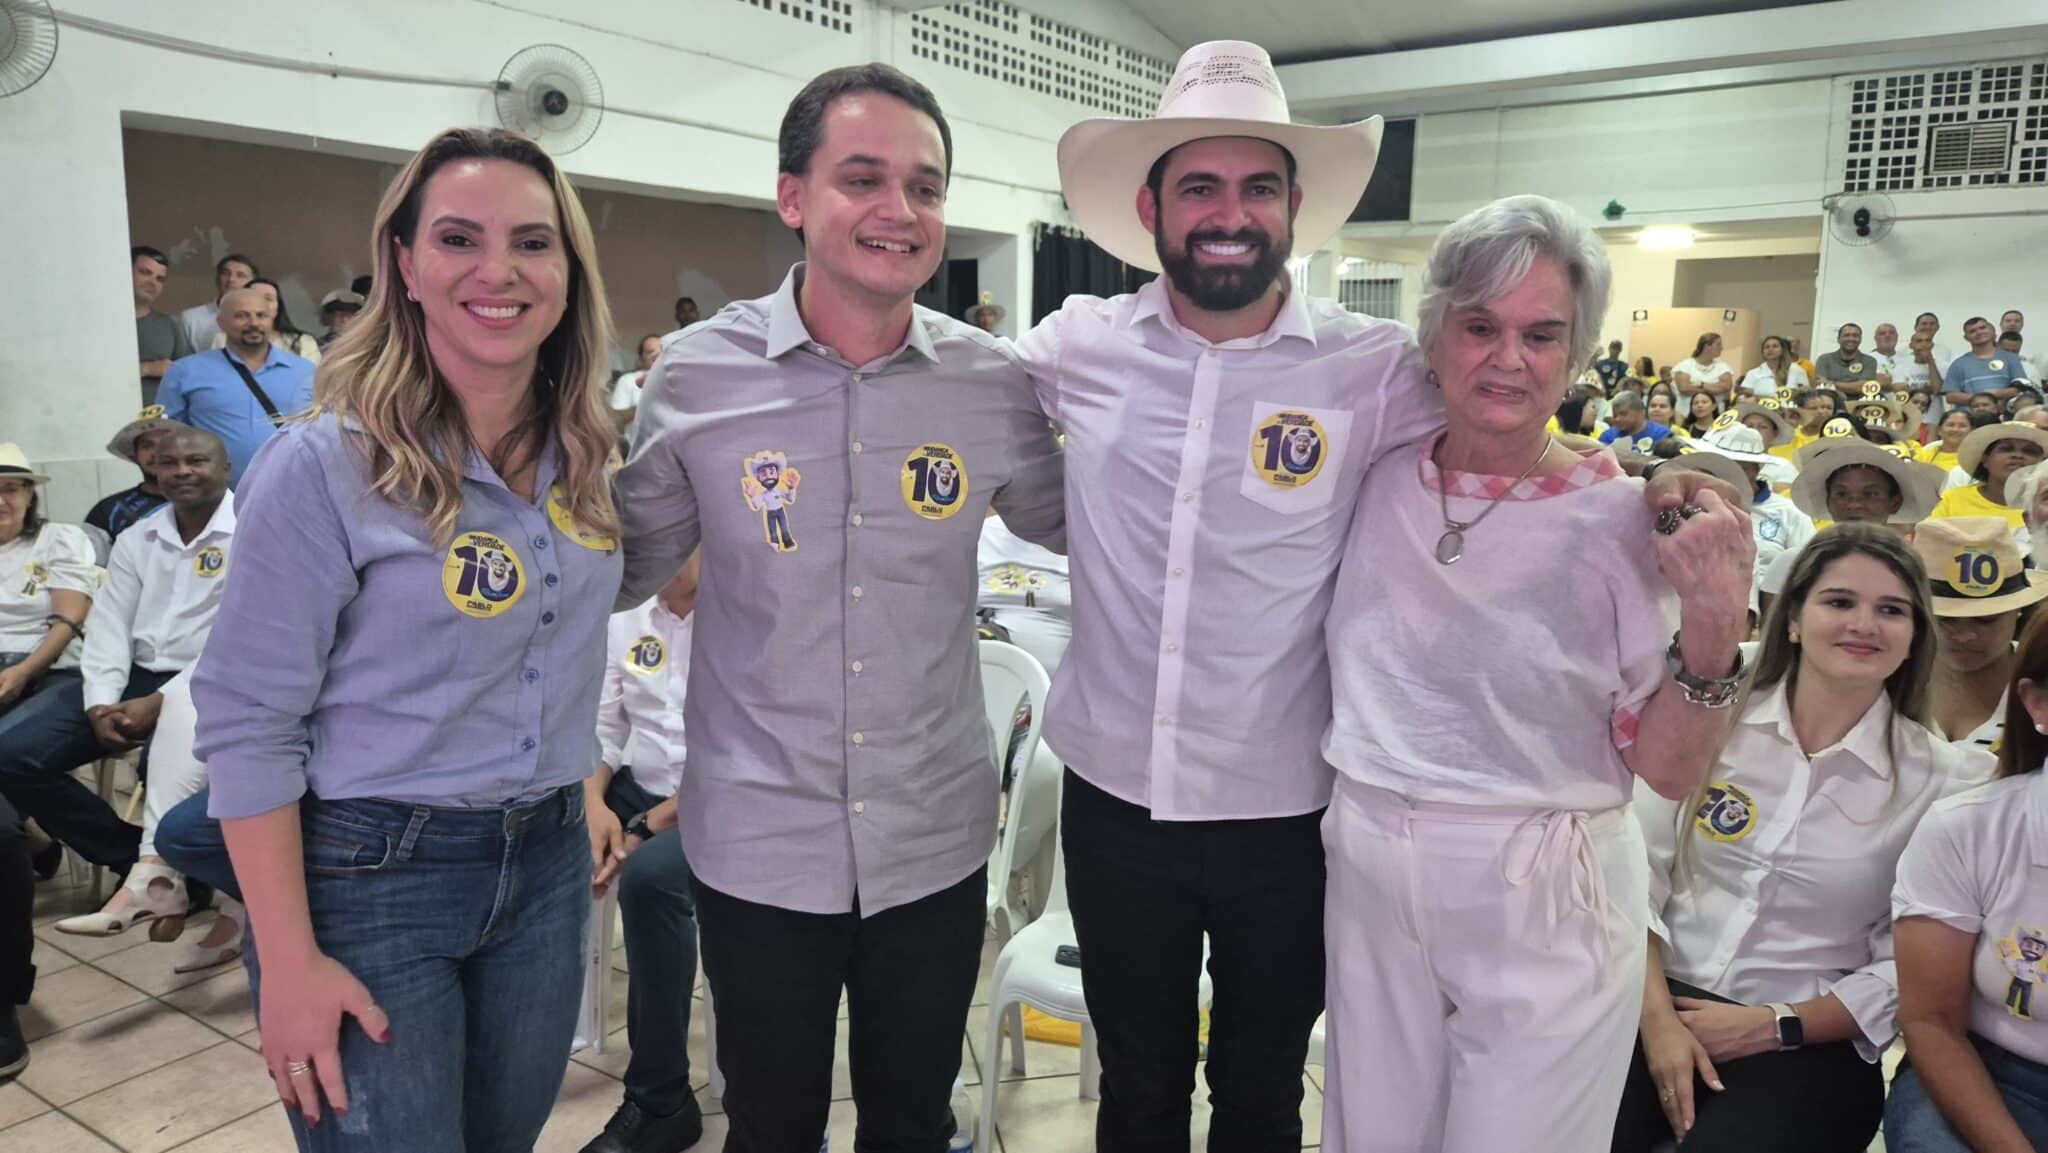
769,484
38,576
1014,579
2025,954
482,576
565,523
1728,813
209,562
934,481
647,657
1289,448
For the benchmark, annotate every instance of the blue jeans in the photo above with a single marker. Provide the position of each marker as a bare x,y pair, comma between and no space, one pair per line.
467,927
661,943
1913,1122
191,841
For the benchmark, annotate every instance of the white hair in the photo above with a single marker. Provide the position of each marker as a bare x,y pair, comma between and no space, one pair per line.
2020,490
1486,253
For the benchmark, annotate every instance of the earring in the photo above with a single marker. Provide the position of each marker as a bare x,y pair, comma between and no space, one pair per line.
2041,728
412,296
1793,636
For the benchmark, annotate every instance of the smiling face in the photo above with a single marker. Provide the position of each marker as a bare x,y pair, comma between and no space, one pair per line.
192,469
1968,644
1505,364
488,266
1849,339
16,494
1955,425
1886,338
246,317
1856,627
872,202
1222,221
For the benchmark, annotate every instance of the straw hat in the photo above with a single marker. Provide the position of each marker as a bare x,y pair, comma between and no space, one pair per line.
1919,484
1737,442
988,301
1974,567
1714,464
1971,452
1221,88
14,465
1769,412
1837,428
151,419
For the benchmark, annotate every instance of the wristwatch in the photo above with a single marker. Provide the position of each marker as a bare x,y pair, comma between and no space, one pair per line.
1707,692
1791,1031
637,827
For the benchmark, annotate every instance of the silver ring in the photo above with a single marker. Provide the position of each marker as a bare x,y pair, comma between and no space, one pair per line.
298,1068
1666,1094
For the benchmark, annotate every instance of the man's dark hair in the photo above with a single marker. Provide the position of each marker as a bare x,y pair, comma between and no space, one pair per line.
1981,419
141,250
2012,312
1975,320
1849,325
236,258
2014,337
1156,178
1613,347
682,300
1925,316
360,286
803,124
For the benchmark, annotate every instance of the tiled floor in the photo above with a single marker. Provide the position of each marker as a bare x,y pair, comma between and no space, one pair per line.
127,1055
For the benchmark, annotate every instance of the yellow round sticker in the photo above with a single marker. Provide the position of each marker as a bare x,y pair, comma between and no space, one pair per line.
647,656
934,481
1727,420
1839,426
1870,387
1975,574
482,575
1288,449
1772,403
558,512
1997,366
209,562
1727,813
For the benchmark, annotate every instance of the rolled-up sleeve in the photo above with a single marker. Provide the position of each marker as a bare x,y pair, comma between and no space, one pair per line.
266,659
1871,994
657,505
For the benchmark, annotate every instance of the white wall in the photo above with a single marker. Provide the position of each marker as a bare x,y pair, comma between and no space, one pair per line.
60,146
1954,253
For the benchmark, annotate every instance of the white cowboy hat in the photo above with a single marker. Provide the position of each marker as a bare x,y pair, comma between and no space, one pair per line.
1734,415
1737,442
1221,88
14,465
1974,567
1971,452
988,301
1697,459
1919,484
151,419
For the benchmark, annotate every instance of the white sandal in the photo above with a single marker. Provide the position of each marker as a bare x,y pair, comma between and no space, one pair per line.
167,911
198,956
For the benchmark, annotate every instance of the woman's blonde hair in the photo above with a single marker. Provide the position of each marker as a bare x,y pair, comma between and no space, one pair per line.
380,376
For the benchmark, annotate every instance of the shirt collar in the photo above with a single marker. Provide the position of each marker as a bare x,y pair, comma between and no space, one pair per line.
786,330
1865,742
477,467
275,355
1154,303
221,523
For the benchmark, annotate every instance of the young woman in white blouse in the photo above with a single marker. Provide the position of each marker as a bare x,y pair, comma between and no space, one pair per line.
1704,370
1972,941
1769,994
1777,374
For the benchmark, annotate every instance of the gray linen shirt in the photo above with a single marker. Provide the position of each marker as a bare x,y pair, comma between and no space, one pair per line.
837,742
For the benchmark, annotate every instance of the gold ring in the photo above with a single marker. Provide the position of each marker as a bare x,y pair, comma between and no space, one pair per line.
298,1068
1667,1094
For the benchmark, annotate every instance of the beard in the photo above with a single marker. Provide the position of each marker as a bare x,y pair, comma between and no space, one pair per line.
1224,289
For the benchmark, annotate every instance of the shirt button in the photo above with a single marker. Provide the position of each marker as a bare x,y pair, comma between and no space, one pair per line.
856,666
859,377
532,676
860,738
1201,424
857,446
1187,498
547,618
527,744
1180,572
540,542
856,592
856,519
1172,648
552,580
860,806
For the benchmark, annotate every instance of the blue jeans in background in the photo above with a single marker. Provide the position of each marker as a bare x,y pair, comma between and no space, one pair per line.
660,913
192,843
467,927
1913,1122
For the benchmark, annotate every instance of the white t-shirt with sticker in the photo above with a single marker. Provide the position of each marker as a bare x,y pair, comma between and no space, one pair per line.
59,556
1784,890
1975,865
1761,381
1703,374
1512,677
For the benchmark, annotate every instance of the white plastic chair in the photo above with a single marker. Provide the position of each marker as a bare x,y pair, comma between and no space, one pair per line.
1010,679
1027,974
597,973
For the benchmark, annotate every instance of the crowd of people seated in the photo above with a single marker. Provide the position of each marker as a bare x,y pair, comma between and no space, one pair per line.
415,666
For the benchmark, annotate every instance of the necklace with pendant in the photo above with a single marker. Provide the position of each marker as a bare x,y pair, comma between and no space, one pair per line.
1450,547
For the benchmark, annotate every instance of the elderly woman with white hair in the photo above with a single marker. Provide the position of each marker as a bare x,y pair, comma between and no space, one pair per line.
1503,669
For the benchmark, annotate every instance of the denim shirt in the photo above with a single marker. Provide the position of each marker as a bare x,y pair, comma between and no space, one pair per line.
355,656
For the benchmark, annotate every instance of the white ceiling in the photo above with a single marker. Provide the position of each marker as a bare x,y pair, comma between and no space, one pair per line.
1297,30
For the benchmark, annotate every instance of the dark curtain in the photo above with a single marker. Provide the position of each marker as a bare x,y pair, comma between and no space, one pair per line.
1065,262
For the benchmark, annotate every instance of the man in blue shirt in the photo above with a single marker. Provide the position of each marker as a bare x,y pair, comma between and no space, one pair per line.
240,393
1612,368
1983,369
1630,426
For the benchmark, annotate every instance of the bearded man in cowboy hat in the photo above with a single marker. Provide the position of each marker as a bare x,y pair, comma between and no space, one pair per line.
1192,704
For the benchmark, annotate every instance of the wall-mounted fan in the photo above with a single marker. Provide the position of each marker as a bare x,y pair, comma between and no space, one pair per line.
551,94
1860,218
28,44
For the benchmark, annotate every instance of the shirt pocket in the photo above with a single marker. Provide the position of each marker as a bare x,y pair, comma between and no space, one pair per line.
1293,456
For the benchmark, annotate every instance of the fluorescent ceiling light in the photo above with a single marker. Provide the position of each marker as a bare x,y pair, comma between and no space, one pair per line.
1672,236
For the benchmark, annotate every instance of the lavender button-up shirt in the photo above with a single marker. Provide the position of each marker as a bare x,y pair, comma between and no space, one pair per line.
837,742
355,656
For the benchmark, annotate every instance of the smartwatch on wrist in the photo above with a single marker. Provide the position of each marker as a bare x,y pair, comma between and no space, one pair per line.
1791,1031
637,827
